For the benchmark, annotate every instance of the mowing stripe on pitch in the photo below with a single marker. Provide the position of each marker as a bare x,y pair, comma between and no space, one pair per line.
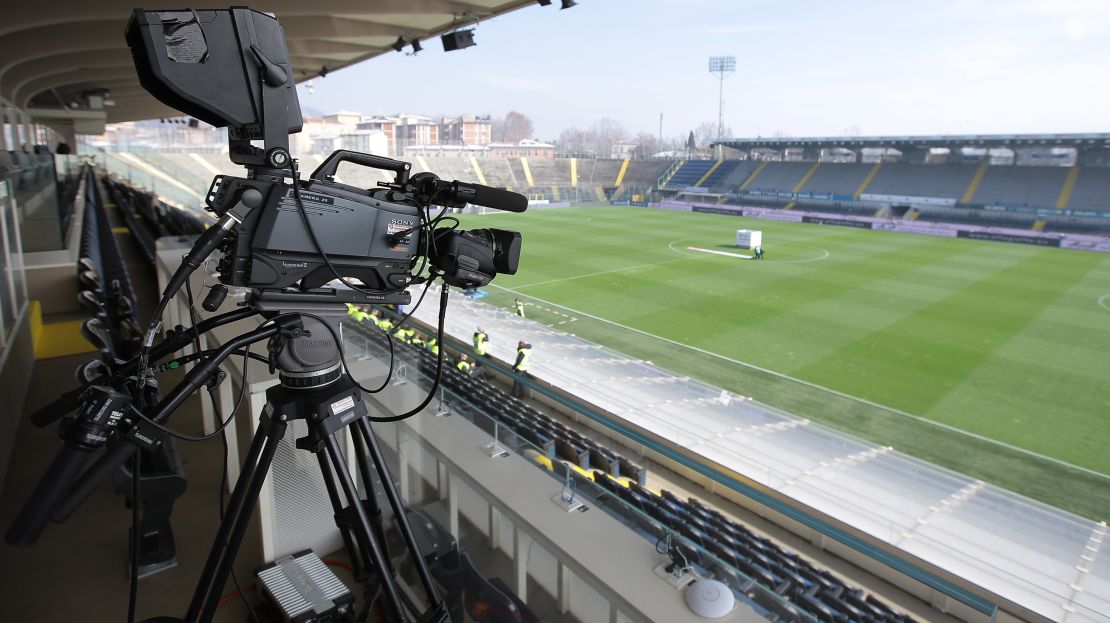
604,272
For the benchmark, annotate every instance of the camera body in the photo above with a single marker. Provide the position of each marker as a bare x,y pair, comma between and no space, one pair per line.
272,249
372,235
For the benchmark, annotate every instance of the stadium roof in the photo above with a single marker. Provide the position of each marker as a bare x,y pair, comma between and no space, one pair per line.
1083,141
57,49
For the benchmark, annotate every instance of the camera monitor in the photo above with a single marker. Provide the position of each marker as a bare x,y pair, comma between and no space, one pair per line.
225,67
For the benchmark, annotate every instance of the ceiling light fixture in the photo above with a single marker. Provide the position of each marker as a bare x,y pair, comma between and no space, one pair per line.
458,40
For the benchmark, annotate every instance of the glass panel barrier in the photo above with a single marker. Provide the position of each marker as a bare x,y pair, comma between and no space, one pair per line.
142,175
799,468
491,539
8,301
35,191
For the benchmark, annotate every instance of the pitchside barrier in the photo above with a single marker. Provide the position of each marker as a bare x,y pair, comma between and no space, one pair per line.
1086,242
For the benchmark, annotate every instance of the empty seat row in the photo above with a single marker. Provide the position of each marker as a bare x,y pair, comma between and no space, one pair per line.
106,289
558,442
689,173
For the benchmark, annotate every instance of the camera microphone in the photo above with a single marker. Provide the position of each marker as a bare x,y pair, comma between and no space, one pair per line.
460,193
496,198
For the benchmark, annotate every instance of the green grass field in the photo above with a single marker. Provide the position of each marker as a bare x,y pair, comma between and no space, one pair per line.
1010,343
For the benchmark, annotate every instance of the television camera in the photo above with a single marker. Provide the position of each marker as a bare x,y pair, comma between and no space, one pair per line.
304,248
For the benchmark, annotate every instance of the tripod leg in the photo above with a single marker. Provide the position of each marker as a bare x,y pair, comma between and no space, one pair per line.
373,509
395,501
241,518
237,494
358,556
389,587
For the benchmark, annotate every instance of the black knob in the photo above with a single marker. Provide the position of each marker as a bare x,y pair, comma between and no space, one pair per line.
215,297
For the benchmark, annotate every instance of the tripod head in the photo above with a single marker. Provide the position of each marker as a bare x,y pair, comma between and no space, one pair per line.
305,355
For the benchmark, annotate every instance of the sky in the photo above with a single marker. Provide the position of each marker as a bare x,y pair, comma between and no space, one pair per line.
804,68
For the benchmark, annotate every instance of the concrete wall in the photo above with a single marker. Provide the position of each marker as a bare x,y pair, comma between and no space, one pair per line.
16,364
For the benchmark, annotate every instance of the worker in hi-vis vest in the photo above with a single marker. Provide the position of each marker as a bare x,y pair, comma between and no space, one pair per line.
481,343
376,318
465,365
385,323
518,306
433,345
520,367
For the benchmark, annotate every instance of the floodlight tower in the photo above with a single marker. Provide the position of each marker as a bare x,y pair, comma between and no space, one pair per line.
722,67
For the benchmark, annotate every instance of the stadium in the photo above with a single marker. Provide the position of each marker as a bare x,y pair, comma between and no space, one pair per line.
830,378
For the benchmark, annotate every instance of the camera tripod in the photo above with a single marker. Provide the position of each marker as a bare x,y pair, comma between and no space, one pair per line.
313,387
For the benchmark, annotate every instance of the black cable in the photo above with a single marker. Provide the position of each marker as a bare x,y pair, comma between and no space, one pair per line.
246,352
136,536
347,371
184,359
439,366
320,249
312,232
224,424
420,300
369,608
192,315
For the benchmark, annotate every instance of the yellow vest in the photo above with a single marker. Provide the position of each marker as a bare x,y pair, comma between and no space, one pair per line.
524,360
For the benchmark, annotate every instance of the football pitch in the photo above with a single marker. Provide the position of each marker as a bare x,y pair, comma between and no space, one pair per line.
988,358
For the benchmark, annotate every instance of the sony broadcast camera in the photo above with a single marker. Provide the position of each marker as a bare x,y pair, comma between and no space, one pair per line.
291,240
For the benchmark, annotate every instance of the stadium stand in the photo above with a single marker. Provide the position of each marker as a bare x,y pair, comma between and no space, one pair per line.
1020,186
835,188
518,177
598,172
107,291
1091,190
180,168
783,176
549,172
689,173
448,167
899,178
643,172
717,545
718,173
836,179
734,177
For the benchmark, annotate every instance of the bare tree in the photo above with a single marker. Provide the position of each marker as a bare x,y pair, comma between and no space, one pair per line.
513,128
647,145
575,142
605,133
706,133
